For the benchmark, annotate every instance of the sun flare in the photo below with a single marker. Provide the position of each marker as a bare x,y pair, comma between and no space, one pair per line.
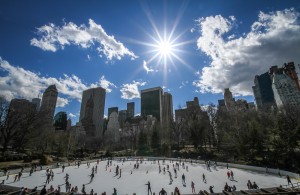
165,48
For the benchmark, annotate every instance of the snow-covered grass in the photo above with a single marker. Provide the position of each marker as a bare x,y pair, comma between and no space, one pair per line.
105,179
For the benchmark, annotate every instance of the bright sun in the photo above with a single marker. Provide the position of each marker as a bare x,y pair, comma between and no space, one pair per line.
164,48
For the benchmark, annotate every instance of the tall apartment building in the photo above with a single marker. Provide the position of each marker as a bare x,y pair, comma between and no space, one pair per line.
122,117
289,69
191,106
229,100
263,92
20,112
37,103
151,102
285,90
49,102
130,109
167,108
111,110
92,111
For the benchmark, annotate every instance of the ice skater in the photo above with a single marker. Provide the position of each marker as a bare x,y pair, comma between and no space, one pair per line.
52,175
249,185
211,189
231,175
66,177
92,177
120,173
193,187
203,177
63,168
7,176
228,174
163,192
48,178
20,175
255,186
176,191
289,180
83,189
233,188
171,179
183,179
149,187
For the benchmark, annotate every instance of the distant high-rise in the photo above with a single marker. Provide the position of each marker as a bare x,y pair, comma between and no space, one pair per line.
111,110
130,109
92,111
20,113
285,90
49,102
191,107
122,117
20,108
289,69
151,102
221,102
229,101
263,91
167,108
60,121
194,103
37,103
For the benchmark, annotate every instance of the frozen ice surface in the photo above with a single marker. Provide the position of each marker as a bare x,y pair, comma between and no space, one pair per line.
135,182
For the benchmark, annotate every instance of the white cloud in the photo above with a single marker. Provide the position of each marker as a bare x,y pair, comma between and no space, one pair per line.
72,115
88,57
130,90
20,83
62,102
106,84
53,38
148,69
273,39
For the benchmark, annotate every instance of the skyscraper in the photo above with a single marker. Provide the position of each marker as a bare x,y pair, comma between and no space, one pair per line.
130,109
60,121
19,110
229,101
19,117
167,108
111,110
263,91
122,117
151,102
49,102
37,103
92,111
289,69
285,90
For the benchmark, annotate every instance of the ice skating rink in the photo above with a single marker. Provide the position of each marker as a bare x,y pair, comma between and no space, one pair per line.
106,180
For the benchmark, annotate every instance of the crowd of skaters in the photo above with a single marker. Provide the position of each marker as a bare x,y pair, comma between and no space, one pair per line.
176,167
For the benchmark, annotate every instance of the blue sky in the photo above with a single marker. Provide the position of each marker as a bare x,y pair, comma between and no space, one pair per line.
116,45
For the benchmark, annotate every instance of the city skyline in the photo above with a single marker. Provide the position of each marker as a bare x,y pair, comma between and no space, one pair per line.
189,48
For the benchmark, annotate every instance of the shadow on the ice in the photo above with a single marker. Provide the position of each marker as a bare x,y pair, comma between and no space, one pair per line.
11,182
